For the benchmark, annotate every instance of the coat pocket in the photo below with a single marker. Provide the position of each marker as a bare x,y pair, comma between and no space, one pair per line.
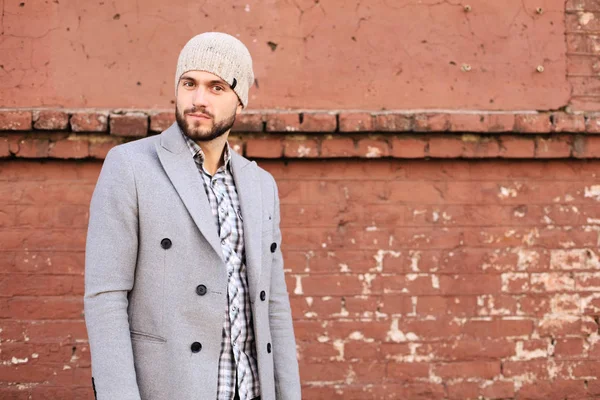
147,337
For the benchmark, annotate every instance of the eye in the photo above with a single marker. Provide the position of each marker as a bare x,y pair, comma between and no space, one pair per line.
188,84
218,88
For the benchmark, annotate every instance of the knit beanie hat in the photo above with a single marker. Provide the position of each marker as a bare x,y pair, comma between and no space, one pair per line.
220,54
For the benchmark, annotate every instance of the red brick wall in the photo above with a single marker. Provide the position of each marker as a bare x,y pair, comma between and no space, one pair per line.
431,254
408,279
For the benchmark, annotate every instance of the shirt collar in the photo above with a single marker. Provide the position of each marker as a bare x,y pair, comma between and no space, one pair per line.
198,154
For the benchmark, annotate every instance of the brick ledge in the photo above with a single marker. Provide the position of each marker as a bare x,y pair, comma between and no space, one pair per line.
140,123
405,134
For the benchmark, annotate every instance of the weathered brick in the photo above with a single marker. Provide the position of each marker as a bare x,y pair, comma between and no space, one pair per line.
516,147
408,147
582,21
161,121
555,147
432,122
100,148
592,123
264,148
445,147
248,122
338,147
373,148
475,369
578,42
588,65
30,148
129,125
4,147
463,122
393,122
501,122
533,123
318,122
50,120
300,148
15,120
563,122
283,122
69,148
585,103
582,5
480,147
356,122
89,122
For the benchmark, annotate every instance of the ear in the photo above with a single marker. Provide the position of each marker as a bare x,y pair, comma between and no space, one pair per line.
239,108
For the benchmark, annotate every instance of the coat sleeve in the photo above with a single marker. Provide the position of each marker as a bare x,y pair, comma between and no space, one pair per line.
287,377
110,260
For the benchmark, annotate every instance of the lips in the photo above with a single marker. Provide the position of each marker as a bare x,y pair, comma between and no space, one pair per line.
199,116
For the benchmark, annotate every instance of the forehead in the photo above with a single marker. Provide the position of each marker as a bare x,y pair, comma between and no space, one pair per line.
201,76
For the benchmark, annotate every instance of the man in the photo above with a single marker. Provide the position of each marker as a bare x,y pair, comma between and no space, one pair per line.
185,296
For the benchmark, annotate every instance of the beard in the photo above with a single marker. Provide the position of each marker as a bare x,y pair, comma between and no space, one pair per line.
195,131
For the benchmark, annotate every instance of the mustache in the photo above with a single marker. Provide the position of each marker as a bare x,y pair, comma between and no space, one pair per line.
195,110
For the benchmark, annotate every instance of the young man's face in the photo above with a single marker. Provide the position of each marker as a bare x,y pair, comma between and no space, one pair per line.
206,105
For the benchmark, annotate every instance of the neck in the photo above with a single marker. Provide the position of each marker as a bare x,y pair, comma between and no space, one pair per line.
214,153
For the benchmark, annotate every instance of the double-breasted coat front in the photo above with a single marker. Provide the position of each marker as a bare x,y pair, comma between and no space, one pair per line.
156,282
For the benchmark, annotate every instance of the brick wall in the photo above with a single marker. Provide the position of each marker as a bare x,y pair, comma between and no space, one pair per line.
430,254
408,279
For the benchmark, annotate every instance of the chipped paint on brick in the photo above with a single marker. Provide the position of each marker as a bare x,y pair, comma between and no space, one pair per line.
396,335
585,17
298,290
338,345
574,259
527,259
303,151
373,152
515,282
380,256
488,307
524,355
565,304
507,193
593,192
552,282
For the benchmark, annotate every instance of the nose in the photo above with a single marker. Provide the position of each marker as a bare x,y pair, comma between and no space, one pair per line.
200,98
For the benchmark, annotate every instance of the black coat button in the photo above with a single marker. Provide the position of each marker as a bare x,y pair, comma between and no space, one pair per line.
263,295
273,247
200,290
269,348
196,347
166,243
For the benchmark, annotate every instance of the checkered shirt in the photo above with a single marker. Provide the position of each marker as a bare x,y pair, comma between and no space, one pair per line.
238,359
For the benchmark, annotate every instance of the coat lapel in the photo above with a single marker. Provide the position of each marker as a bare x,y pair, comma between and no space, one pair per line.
179,165
247,183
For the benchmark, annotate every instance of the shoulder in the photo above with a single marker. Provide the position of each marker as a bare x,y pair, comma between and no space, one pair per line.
140,146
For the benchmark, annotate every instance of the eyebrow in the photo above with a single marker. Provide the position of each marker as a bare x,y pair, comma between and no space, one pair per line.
212,82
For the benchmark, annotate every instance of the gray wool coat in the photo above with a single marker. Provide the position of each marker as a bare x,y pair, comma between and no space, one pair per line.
142,308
